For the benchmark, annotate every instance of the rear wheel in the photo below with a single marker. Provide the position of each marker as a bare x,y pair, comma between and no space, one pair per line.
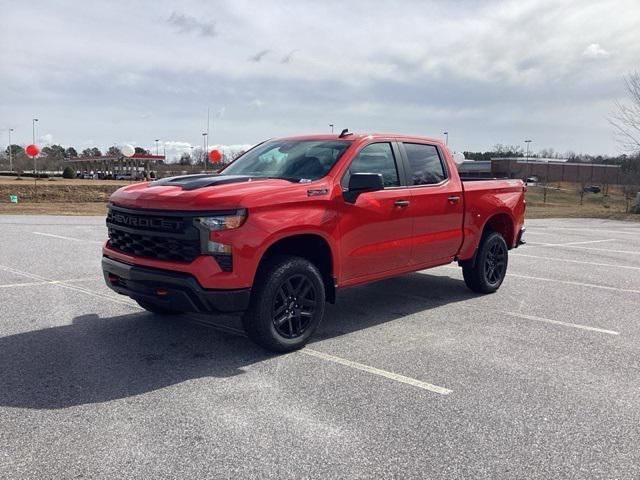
490,267
155,308
287,304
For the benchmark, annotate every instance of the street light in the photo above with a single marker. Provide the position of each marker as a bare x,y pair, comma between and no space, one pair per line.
446,136
331,125
35,177
204,146
157,140
527,142
10,151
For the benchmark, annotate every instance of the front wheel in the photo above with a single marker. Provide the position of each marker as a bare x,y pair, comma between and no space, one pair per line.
490,267
287,304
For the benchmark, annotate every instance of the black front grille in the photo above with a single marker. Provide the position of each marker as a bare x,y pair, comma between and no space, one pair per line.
153,234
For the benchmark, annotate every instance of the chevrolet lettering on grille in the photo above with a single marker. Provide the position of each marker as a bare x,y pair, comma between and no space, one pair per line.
145,222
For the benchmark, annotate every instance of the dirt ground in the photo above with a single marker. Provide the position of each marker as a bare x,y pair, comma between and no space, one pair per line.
60,181
89,197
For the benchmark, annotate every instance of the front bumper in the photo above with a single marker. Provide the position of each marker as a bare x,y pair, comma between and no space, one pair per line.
174,290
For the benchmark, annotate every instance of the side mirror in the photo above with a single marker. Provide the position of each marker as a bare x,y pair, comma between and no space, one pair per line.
361,183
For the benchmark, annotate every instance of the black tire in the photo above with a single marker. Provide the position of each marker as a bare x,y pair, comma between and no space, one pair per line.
287,304
490,267
155,308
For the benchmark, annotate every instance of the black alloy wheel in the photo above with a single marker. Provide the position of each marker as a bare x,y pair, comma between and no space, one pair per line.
495,263
287,303
294,306
486,272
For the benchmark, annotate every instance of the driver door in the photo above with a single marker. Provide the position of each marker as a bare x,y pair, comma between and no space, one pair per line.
376,229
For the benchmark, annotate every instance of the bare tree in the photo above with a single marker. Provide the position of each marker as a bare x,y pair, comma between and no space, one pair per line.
626,118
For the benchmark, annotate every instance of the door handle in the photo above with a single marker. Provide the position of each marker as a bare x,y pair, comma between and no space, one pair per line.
401,203
453,198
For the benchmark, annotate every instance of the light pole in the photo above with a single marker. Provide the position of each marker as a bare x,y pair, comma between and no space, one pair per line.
331,125
204,153
527,142
157,140
35,176
10,151
446,137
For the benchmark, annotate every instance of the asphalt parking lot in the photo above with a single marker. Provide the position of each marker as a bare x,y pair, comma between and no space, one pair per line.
413,377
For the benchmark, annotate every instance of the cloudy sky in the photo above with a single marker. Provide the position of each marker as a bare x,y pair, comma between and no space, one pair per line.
99,73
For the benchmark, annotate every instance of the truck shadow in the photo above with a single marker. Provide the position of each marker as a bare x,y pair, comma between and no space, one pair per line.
96,359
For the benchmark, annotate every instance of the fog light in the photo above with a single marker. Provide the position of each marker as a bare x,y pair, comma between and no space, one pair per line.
215,247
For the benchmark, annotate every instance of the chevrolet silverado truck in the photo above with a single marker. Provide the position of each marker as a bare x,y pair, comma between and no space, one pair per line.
279,231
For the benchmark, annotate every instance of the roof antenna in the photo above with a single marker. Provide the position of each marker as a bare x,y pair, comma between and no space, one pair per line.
344,133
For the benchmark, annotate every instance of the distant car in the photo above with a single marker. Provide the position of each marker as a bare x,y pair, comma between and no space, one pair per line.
532,180
128,176
592,189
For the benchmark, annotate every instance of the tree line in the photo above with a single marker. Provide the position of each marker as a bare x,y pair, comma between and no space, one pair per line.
52,157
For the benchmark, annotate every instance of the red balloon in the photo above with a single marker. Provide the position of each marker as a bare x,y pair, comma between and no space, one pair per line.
215,155
32,150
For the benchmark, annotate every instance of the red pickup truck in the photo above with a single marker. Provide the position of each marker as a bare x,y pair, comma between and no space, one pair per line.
279,231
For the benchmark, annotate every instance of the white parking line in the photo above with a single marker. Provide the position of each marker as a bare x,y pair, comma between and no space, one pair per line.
608,250
556,259
569,282
558,322
590,230
376,371
44,282
70,287
573,243
66,238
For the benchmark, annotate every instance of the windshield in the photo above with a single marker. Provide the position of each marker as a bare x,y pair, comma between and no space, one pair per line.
295,160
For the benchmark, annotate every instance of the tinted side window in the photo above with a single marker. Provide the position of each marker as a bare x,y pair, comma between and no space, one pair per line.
377,158
425,166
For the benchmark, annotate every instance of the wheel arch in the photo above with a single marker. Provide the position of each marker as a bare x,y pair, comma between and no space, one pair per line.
501,222
311,246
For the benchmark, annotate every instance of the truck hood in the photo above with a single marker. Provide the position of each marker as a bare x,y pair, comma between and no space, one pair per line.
205,192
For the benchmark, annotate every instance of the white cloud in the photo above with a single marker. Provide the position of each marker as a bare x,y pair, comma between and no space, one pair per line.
255,103
174,149
495,60
595,51
46,139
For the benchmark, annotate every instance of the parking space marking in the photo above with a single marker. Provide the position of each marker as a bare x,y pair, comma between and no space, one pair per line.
527,317
573,243
69,287
608,250
44,282
590,230
558,322
376,371
556,259
66,238
570,282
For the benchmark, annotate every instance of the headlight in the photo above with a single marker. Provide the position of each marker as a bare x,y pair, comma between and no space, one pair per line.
223,222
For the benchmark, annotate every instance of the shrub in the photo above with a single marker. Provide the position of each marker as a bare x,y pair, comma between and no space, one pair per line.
68,172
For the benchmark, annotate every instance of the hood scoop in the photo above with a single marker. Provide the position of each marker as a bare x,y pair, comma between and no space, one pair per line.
193,182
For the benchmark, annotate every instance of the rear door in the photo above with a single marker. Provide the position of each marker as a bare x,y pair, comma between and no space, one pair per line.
376,229
436,204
